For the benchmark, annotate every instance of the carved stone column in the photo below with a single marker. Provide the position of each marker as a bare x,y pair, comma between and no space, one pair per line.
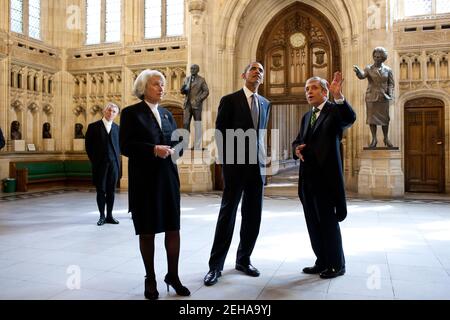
195,167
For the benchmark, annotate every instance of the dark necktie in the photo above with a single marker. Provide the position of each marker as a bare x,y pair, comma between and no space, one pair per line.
254,111
314,116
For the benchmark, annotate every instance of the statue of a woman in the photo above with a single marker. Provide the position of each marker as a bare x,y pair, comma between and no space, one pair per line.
380,91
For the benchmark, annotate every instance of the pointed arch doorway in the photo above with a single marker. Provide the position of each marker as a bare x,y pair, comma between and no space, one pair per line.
298,43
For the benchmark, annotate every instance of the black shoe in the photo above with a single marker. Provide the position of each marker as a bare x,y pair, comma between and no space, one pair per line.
150,292
177,286
315,269
373,144
387,143
248,270
101,221
211,277
111,220
332,273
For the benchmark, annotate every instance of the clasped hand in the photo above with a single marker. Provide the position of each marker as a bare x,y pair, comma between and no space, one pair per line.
163,151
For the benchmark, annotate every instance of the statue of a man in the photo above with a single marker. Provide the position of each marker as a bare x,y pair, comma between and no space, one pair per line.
380,91
79,131
15,130
46,131
196,90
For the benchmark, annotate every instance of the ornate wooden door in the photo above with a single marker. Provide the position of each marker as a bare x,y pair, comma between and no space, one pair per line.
424,145
297,43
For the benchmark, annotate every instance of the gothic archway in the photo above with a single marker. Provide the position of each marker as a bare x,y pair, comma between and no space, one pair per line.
298,43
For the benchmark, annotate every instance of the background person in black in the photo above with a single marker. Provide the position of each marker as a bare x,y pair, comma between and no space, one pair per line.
102,147
153,183
2,139
321,183
240,111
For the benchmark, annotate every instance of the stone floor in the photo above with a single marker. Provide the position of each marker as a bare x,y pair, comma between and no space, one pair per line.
51,248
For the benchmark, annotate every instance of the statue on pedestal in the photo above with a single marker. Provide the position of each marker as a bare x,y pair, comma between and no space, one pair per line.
79,131
15,130
196,90
46,131
380,91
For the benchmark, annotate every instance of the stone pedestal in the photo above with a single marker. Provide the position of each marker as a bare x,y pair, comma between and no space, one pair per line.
49,144
194,169
78,144
380,174
18,145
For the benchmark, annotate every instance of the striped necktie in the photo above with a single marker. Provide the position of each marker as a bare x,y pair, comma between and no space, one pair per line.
314,116
254,111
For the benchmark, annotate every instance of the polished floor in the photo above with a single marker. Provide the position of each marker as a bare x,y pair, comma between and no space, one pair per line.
51,248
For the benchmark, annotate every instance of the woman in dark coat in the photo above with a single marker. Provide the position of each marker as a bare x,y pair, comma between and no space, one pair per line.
153,184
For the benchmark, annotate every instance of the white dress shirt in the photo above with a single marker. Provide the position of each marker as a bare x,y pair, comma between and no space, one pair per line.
108,125
154,108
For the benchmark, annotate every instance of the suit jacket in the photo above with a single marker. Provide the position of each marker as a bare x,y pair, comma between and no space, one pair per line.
321,170
153,187
234,113
96,141
381,83
2,139
195,92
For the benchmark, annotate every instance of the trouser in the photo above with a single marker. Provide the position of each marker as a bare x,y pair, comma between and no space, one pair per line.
106,187
189,112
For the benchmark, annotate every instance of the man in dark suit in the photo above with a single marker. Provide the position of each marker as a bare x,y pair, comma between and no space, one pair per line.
2,139
241,122
321,183
195,90
102,147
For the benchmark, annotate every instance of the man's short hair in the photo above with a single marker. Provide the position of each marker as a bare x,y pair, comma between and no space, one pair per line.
111,105
250,65
323,83
141,81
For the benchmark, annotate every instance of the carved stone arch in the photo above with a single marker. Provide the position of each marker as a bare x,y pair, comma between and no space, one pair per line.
17,105
306,41
33,107
96,109
48,109
79,109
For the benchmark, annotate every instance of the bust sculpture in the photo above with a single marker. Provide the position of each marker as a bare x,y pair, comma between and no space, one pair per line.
79,131
46,131
15,130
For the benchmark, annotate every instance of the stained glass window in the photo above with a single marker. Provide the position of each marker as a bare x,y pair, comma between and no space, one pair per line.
17,16
34,18
112,30
442,6
93,21
175,17
417,7
153,20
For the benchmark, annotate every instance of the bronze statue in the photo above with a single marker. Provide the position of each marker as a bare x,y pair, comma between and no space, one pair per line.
380,91
196,90
46,131
15,130
79,131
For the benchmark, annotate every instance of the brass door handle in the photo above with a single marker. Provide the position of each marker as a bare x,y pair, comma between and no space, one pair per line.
439,142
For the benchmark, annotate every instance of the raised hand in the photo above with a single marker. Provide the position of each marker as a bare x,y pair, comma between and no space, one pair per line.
336,86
